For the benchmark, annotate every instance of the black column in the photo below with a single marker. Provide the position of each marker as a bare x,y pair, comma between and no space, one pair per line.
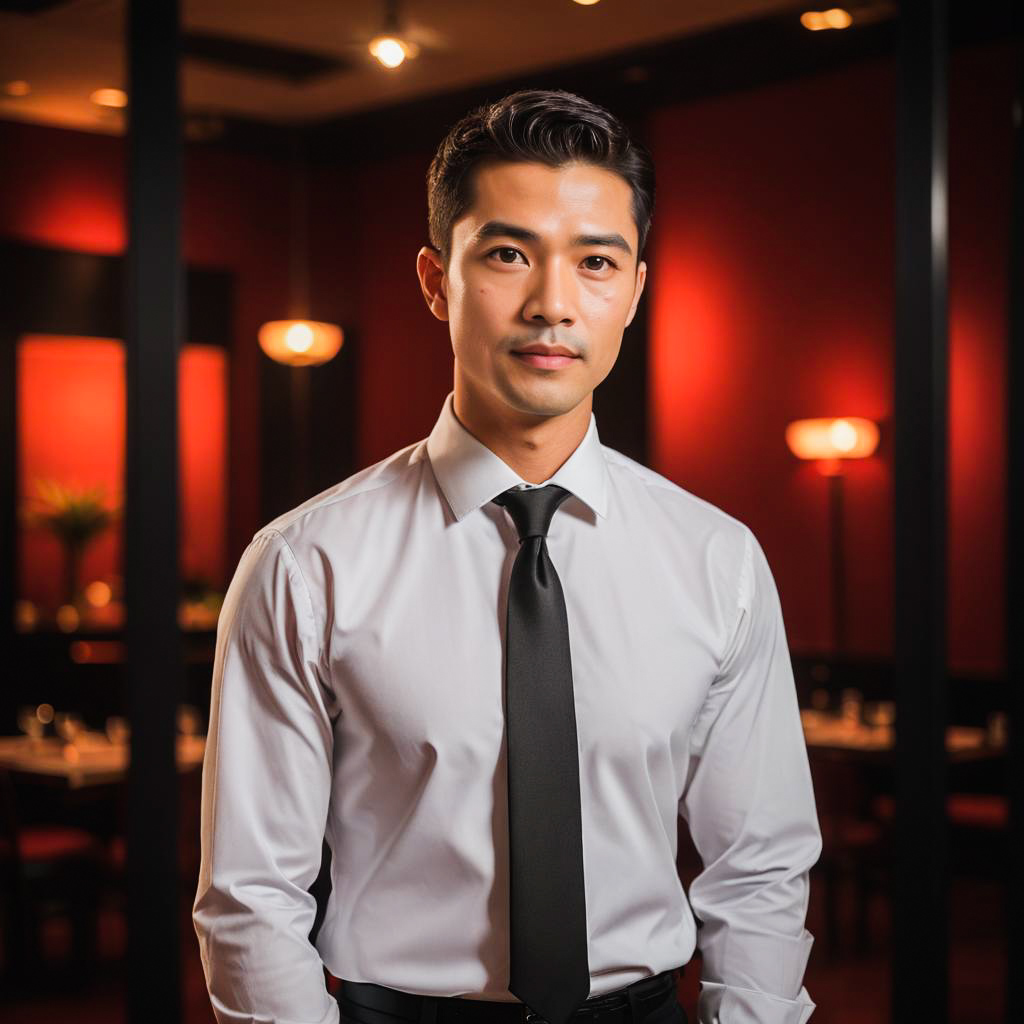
153,330
920,968
1015,552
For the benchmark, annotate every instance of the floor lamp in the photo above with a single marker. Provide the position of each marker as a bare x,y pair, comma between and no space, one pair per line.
829,442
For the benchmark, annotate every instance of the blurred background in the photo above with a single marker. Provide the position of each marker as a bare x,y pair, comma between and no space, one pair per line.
257,171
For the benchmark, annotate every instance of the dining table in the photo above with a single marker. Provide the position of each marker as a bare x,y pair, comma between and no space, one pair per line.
91,759
830,734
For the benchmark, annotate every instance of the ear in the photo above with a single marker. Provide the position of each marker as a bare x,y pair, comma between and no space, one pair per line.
641,277
433,281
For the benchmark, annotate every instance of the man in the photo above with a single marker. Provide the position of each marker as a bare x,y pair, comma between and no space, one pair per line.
492,669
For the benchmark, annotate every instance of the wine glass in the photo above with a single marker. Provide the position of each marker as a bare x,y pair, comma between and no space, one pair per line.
69,725
188,719
850,704
30,723
118,729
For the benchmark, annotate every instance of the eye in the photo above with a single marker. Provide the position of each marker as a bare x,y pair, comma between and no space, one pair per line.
603,258
504,248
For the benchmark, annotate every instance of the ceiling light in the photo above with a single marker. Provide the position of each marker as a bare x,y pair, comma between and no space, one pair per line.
390,47
388,50
586,3
18,87
113,98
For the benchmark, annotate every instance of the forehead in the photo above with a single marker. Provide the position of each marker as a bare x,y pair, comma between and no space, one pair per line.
550,200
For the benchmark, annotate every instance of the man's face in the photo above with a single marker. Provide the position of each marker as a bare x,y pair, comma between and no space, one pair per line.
545,256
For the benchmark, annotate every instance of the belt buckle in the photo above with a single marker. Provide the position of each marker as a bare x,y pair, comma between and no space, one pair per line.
532,1017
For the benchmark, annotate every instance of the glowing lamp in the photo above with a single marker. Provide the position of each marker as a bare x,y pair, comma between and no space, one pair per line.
831,438
300,342
829,441
389,51
113,98
834,17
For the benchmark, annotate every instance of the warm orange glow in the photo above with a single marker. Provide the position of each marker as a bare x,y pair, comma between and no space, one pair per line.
44,712
115,98
98,593
300,342
67,618
26,615
19,87
849,437
834,17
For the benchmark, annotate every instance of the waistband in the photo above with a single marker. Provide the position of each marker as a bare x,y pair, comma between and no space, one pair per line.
377,1004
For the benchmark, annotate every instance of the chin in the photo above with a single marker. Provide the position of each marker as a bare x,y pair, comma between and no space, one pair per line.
552,400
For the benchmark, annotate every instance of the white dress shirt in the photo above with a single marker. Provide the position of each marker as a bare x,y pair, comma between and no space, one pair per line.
358,696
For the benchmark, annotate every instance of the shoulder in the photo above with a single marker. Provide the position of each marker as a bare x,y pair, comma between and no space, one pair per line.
356,494
687,513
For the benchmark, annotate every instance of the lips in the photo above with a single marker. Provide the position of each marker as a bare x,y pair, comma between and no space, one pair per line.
543,361
546,350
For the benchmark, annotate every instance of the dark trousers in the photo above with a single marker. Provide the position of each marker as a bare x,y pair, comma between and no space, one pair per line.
649,1001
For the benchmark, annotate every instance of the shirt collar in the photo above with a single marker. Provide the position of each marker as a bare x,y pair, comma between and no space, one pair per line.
470,474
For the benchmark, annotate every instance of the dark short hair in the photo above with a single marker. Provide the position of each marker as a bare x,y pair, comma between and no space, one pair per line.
549,126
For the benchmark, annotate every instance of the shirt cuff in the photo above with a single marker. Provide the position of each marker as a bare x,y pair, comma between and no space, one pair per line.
727,1004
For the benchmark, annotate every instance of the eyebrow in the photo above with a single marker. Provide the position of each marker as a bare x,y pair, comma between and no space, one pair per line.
499,228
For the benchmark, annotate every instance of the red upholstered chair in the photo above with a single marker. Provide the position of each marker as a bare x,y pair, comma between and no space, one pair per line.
854,851
967,810
46,869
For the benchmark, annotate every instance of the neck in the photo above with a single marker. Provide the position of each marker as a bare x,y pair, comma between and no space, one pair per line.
534,446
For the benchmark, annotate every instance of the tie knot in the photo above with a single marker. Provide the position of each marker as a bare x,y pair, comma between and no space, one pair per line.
532,508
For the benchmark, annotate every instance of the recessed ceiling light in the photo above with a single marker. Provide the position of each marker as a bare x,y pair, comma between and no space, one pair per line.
18,87
585,3
109,98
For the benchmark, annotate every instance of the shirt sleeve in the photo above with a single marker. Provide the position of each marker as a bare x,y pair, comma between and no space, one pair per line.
749,803
265,795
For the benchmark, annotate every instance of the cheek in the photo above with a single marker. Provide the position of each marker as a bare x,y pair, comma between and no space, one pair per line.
607,309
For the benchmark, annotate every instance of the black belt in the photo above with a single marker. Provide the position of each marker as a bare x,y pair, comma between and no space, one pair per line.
376,1004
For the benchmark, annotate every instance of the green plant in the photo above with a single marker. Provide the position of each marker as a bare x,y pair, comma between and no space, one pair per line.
75,518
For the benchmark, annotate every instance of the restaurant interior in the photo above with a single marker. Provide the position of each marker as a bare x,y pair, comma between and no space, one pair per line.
209,217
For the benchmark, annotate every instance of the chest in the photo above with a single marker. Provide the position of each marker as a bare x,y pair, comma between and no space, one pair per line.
417,660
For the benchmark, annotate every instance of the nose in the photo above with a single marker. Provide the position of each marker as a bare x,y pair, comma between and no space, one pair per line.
551,294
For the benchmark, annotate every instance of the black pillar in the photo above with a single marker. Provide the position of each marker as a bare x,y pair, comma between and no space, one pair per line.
1015,552
920,897
153,331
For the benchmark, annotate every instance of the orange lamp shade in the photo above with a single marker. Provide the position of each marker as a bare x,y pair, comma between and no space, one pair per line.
847,437
300,342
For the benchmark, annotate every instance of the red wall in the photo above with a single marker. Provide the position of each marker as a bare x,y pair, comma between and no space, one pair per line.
71,429
405,352
770,295
65,189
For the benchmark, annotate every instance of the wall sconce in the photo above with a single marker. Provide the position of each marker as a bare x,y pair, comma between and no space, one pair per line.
300,342
829,442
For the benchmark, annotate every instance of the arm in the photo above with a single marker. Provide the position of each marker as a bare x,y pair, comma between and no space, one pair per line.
749,803
266,790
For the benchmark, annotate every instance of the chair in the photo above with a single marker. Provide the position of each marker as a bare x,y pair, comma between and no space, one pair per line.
854,854
46,869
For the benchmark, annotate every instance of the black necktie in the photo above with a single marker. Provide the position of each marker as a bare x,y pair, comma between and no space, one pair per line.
549,970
